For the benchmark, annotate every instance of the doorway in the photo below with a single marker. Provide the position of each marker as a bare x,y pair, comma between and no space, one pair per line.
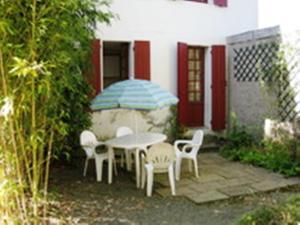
115,62
195,86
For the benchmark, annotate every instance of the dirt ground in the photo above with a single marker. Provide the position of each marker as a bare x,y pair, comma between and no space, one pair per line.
79,200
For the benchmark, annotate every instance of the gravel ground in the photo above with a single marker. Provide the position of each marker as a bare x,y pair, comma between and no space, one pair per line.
79,200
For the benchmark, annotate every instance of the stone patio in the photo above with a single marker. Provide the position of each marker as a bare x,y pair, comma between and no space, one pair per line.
220,179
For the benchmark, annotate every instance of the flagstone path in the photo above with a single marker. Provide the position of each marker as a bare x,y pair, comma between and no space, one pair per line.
220,179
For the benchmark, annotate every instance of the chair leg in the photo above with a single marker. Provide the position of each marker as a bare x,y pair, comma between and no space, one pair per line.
190,165
115,167
143,175
178,167
99,167
128,159
171,179
122,160
196,167
86,163
149,181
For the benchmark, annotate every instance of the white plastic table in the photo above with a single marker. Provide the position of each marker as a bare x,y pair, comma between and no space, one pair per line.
133,141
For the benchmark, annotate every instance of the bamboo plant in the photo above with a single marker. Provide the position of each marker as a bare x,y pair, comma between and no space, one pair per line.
44,47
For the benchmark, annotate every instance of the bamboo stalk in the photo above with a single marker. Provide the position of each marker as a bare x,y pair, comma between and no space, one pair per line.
47,172
33,115
23,151
4,85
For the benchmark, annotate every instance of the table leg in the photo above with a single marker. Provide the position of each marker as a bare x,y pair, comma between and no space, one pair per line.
137,168
110,164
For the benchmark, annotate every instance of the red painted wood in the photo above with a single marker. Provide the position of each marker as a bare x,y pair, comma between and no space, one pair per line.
96,66
221,3
190,113
196,109
218,87
182,82
142,68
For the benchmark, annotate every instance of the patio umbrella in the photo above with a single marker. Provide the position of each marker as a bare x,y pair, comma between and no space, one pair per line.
133,94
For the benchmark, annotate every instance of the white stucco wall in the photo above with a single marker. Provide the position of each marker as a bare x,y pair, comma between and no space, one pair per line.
277,12
166,22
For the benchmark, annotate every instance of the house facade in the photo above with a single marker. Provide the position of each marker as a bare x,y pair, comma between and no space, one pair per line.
177,44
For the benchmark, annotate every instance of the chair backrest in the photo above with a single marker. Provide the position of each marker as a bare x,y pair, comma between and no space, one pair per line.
88,142
122,131
197,141
161,155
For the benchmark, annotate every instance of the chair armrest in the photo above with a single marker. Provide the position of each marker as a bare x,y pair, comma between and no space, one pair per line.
88,146
93,144
99,143
189,146
178,142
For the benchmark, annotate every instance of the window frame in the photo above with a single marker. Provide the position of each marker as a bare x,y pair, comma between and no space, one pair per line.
199,1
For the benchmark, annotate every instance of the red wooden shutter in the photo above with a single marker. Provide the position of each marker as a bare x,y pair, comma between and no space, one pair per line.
218,87
222,3
182,59
142,60
96,67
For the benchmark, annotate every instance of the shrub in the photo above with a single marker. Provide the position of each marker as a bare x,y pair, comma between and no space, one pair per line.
278,156
275,156
287,213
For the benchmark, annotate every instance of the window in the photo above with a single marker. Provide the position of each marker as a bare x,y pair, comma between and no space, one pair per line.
115,62
195,73
203,1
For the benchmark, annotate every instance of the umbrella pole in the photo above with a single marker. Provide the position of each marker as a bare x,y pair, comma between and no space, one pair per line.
135,123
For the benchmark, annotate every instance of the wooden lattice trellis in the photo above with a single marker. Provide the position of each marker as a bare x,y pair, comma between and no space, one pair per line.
263,62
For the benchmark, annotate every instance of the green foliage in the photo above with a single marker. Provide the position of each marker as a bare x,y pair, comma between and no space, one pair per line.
75,117
237,136
279,156
175,130
276,79
287,213
275,156
44,48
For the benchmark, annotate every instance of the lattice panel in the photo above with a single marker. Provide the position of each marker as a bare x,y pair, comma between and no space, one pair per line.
248,61
257,62
289,87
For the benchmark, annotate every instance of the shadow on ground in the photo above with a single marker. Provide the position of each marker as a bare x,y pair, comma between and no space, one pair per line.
80,200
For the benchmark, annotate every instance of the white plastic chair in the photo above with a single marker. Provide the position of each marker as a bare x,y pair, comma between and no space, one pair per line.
122,131
159,158
88,142
192,145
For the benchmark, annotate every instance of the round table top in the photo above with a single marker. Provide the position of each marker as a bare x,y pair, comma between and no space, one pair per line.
139,140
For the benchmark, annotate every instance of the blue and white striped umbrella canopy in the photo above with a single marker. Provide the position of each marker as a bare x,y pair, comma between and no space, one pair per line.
133,94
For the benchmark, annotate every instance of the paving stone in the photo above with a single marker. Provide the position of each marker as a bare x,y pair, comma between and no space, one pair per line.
292,181
183,191
237,190
203,187
262,173
268,185
228,173
236,181
221,179
203,178
185,182
204,197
